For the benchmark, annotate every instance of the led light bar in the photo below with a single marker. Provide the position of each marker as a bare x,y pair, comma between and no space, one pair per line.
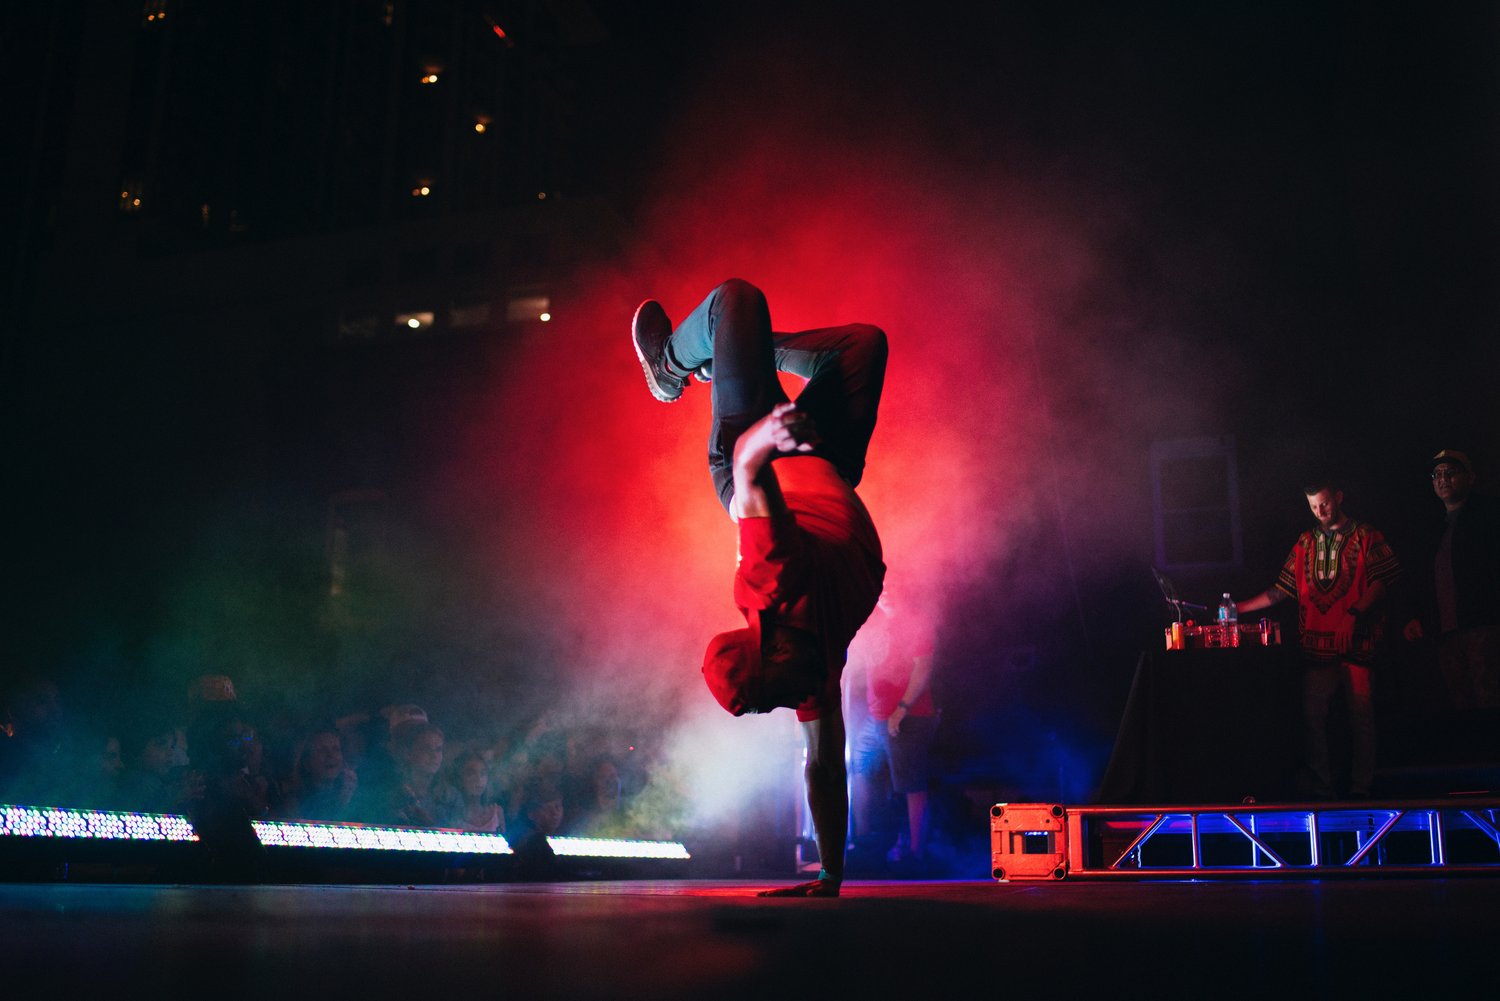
287,834
616,848
54,822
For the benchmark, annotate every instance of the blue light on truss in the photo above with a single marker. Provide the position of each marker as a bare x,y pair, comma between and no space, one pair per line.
53,822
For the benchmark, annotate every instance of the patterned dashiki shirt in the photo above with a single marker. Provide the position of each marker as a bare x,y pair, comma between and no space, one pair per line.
1327,572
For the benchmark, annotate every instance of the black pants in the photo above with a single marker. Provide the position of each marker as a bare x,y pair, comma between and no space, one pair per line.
844,368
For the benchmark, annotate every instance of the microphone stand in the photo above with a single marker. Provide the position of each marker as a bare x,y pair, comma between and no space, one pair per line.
1169,592
1179,604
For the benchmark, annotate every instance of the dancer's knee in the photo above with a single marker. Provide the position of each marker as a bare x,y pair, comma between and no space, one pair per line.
868,344
736,292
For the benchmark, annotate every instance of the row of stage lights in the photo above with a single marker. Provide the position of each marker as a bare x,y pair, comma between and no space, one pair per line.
53,822
49,822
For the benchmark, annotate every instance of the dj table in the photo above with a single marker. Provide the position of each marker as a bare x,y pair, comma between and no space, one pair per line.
1208,725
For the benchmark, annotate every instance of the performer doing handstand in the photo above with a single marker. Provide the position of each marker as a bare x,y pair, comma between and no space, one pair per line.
810,567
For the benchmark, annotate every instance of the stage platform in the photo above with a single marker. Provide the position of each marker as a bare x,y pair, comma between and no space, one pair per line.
715,939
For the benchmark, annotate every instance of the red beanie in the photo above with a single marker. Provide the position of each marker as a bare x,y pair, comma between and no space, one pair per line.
730,667
740,679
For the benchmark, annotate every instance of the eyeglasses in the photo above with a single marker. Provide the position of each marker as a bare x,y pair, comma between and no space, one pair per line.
1447,474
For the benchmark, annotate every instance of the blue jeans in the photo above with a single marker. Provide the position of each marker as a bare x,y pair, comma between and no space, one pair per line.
906,755
844,368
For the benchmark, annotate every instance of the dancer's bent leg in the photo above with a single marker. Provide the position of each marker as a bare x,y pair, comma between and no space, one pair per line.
732,329
844,368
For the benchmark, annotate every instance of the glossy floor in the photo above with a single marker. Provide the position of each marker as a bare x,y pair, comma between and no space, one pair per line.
716,939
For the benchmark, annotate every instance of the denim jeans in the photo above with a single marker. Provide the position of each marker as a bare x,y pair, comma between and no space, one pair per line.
844,368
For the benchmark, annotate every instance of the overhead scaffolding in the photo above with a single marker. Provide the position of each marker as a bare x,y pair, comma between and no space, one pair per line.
1032,841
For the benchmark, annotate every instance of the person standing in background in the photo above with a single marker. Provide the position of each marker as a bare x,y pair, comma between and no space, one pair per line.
1459,598
895,739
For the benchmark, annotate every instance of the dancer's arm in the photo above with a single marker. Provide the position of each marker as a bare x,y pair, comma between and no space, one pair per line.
784,430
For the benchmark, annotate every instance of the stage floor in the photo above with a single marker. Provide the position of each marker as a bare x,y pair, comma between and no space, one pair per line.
716,939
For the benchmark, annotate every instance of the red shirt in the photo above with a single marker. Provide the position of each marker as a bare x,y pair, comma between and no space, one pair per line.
1329,571
892,643
817,567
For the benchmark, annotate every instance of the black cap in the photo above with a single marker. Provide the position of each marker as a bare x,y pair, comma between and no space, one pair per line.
1454,457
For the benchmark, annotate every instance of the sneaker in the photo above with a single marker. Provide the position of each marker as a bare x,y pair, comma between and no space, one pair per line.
649,331
704,373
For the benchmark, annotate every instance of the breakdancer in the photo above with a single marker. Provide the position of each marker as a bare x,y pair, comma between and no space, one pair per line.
810,568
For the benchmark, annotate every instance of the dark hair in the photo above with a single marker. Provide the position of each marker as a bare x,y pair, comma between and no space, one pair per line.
464,758
135,734
1317,486
299,754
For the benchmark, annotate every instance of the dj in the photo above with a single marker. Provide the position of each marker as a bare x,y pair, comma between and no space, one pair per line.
1338,572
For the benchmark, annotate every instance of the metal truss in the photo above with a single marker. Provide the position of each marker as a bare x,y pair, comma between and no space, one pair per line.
1051,841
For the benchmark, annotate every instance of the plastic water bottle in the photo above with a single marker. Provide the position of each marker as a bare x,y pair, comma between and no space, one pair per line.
1229,618
1228,614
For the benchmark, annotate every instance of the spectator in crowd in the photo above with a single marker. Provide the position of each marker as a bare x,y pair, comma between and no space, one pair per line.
91,775
418,796
582,746
497,752
378,767
542,816
32,753
547,748
141,763
600,812
516,773
476,809
152,780
539,756
236,793
242,775
320,786
107,767
354,730
212,704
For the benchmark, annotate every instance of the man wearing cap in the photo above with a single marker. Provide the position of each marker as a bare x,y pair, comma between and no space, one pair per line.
1461,594
1338,572
810,568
